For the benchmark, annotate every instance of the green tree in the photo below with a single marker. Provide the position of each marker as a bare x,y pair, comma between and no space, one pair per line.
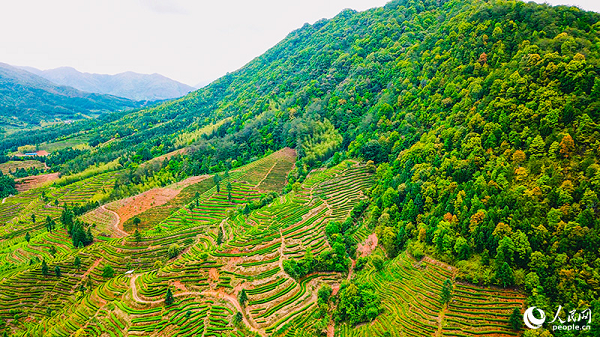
537,147
461,248
324,293
77,262
296,186
108,271
173,250
447,291
33,218
50,224
220,236
136,221
44,268
169,299
237,319
27,237
57,271
137,236
243,297
377,262
505,276
516,319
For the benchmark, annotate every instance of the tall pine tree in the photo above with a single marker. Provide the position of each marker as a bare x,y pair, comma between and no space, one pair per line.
169,299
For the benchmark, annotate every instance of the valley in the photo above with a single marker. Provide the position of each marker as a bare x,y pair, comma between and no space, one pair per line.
425,168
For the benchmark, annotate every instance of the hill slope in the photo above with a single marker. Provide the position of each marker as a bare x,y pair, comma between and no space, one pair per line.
480,119
28,99
134,86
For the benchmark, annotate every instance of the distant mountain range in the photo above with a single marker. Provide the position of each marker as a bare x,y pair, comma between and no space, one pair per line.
128,84
27,99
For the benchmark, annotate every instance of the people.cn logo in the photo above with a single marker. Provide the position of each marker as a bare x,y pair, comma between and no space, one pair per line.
531,321
571,320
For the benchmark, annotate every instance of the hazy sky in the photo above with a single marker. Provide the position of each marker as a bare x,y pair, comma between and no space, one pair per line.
188,40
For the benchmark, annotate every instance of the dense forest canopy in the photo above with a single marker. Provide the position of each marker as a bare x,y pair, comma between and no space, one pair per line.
481,117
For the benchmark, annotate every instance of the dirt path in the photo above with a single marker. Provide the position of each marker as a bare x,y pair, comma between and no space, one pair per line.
351,271
440,321
116,225
207,293
331,330
4,200
266,175
94,266
225,238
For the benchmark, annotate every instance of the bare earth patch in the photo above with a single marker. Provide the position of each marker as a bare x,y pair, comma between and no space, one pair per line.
370,244
213,274
132,206
335,289
179,285
28,183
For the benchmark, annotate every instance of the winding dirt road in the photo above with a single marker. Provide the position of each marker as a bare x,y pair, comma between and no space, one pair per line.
115,225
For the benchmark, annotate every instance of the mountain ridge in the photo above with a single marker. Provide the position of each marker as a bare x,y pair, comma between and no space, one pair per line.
29,99
127,84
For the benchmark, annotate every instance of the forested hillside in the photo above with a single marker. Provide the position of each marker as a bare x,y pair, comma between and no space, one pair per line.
479,120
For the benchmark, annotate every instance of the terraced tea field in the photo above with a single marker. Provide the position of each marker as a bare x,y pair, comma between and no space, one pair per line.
410,293
206,247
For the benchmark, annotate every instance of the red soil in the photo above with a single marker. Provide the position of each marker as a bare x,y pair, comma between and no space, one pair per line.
38,153
132,206
138,204
179,285
27,183
232,262
370,244
213,274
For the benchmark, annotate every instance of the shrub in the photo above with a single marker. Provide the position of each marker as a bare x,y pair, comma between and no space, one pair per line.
174,250
108,271
361,262
324,293
377,262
